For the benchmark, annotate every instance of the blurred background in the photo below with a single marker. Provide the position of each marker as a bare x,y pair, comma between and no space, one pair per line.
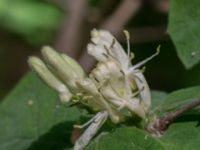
26,25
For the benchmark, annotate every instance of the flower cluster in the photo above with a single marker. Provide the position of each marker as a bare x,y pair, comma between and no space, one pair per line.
112,86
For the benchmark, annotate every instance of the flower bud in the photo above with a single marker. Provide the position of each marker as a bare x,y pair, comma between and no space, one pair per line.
76,67
62,67
49,78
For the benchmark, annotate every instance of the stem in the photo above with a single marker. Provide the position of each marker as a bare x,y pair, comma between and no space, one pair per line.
160,125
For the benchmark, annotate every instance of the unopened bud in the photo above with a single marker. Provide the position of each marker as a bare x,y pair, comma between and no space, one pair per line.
49,78
76,67
60,67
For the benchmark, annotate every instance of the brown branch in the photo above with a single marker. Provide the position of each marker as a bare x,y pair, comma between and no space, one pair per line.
160,125
115,24
69,40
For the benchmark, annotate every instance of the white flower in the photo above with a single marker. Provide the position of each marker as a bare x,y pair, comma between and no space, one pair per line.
121,84
112,86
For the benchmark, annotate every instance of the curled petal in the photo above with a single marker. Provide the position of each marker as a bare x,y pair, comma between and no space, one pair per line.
109,46
145,94
97,52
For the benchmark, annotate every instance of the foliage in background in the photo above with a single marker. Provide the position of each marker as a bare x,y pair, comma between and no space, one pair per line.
32,118
34,20
184,29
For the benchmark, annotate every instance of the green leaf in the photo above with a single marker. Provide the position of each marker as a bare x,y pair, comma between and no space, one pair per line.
157,99
184,30
182,136
126,139
31,118
179,98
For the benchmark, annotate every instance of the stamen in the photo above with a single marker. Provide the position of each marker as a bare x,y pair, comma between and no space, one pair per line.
146,60
128,41
135,93
112,44
132,56
143,69
109,55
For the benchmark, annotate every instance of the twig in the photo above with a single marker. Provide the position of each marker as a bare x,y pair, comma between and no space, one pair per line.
115,24
160,125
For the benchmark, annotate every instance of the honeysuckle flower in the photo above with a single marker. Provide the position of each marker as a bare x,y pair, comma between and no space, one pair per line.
112,86
120,83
